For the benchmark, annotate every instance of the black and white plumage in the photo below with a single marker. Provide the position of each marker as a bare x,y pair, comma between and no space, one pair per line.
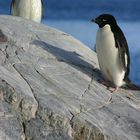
112,51
29,9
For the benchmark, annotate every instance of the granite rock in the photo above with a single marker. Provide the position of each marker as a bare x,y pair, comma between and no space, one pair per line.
49,89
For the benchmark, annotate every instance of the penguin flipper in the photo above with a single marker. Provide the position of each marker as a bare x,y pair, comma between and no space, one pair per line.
121,44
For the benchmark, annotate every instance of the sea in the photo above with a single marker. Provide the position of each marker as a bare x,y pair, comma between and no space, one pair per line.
74,17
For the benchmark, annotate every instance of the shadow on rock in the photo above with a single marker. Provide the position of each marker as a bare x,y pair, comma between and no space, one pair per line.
71,58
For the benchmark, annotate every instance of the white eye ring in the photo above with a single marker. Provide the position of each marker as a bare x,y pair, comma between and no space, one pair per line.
104,20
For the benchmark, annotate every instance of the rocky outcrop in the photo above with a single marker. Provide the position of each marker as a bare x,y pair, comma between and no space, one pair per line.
49,89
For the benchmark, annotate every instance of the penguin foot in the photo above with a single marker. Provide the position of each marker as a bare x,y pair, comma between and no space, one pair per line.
109,85
113,90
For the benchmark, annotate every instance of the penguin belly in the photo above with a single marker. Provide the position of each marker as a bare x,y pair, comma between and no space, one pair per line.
36,10
29,9
108,56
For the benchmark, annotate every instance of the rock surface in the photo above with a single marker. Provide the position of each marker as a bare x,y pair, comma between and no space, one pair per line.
49,89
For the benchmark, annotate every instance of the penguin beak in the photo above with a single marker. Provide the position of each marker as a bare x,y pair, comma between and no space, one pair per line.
93,20
98,22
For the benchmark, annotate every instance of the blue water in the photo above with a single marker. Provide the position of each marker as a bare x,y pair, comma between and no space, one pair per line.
73,17
85,9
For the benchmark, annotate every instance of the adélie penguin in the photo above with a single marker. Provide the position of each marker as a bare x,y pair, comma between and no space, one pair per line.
29,9
112,52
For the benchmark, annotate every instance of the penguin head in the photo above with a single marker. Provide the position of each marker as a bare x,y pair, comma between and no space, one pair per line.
104,19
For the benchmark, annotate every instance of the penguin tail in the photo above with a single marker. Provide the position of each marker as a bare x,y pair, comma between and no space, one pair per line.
131,86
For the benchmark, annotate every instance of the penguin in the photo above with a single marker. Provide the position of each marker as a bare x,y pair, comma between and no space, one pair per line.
28,9
112,52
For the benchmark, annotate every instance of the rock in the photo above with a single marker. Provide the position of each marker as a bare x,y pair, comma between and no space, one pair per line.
49,89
